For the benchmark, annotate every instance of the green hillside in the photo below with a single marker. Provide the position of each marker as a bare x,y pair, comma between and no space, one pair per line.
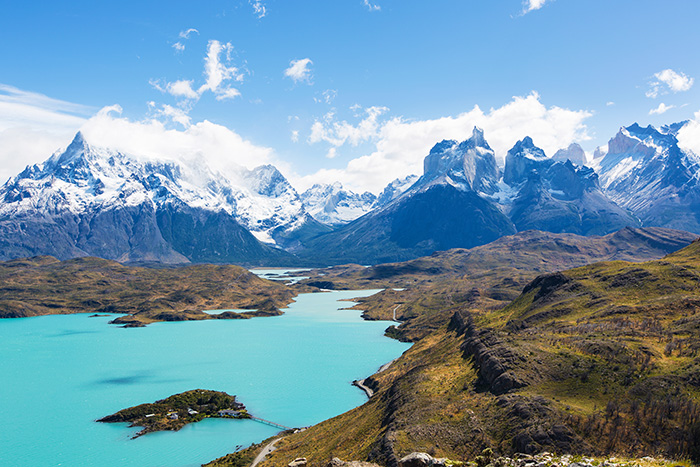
597,360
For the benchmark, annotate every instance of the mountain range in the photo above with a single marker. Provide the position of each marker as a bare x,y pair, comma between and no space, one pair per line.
94,201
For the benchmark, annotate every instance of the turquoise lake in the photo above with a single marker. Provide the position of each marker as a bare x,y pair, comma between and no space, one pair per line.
61,373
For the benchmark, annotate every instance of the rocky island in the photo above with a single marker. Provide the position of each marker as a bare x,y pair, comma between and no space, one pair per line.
178,410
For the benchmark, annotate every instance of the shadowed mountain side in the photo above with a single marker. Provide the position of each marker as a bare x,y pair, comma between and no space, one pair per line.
438,218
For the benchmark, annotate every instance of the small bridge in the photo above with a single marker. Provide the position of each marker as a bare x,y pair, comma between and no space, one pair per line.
268,422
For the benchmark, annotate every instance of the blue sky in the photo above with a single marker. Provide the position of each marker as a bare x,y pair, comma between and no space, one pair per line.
355,90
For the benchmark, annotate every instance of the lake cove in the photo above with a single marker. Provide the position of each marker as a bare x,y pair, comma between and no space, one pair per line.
61,373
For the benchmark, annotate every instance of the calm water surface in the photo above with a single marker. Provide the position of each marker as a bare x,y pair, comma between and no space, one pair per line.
60,373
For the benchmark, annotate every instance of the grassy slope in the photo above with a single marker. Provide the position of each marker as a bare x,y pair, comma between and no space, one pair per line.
486,277
44,285
599,359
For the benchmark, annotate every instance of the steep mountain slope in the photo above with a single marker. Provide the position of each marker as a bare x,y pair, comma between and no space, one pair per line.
602,359
558,196
573,153
442,210
94,201
463,200
394,189
646,172
334,205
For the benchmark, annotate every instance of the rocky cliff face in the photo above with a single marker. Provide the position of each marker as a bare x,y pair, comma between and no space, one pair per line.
558,196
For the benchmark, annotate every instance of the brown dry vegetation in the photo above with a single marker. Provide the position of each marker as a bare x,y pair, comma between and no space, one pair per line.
598,360
45,285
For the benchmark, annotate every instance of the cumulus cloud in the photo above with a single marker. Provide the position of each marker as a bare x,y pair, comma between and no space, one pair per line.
221,148
33,126
218,73
182,88
400,145
299,70
259,8
168,113
371,6
689,135
339,133
179,47
669,80
531,5
661,109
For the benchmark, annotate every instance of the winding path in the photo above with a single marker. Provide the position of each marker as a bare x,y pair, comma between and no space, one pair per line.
265,451
396,308
360,383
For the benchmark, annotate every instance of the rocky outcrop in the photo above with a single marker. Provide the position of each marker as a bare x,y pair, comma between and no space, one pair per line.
494,361
335,462
420,459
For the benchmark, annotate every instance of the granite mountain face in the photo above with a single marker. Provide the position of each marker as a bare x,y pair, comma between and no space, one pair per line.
463,200
557,196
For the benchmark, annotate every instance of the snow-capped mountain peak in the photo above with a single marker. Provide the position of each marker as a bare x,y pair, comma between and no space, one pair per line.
85,178
332,204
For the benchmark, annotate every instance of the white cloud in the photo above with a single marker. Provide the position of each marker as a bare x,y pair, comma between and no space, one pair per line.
661,109
295,136
610,103
332,152
259,8
689,135
186,34
218,73
371,6
174,114
669,80
400,145
299,70
182,88
340,133
217,70
531,5
33,126
180,46
222,149
227,93
327,96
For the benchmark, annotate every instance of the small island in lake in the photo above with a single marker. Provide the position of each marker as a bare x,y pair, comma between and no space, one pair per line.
178,410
